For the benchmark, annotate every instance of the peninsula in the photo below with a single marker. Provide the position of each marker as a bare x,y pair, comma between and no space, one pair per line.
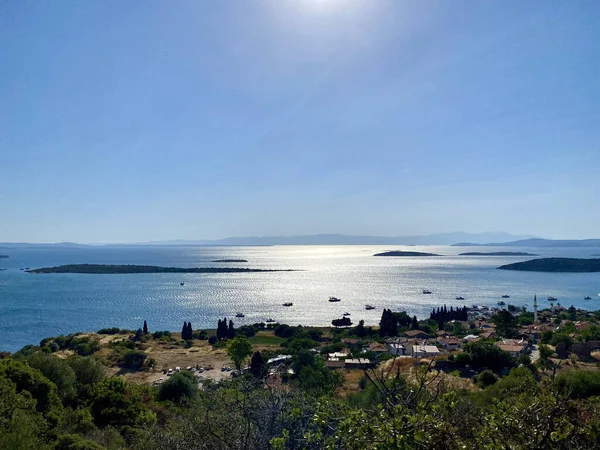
497,254
230,260
576,265
128,269
404,253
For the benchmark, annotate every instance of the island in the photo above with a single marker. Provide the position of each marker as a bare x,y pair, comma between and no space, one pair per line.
404,253
577,265
128,269
497,254
3,256
230,260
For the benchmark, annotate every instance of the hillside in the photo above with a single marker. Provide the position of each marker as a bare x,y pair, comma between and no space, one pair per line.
573,265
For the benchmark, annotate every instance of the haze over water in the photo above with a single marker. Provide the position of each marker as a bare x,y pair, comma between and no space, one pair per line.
36,306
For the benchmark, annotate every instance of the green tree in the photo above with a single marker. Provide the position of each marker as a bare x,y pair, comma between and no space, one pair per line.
489,355
258,366
57,371
179,388
114,402
145,330
486,378
506,324
238,349
414,323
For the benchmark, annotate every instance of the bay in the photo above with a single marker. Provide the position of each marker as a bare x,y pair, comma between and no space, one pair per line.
36,306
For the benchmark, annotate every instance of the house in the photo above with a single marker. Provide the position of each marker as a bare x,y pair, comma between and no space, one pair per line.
425,351
471,338
488,335
335,356
280,359
416,334
350,341
359,363
441,333
376,347
449,343
335,364
515,348
396,349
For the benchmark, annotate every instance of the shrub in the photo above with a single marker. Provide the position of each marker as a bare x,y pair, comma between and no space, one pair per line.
580,384
113,330
212,340
133,359
462,358
181,386
486,378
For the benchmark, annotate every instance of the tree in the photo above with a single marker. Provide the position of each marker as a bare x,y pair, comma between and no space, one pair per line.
489,355
359,330
184,331
179,388
506,323
58,371
258,366
415,324
230,330
486,378
145,327
239,349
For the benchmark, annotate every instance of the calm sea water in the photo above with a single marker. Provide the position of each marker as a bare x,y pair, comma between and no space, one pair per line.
36,306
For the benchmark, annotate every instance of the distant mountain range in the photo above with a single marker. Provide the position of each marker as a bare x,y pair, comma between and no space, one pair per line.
343,239
320,239
488,239
536,242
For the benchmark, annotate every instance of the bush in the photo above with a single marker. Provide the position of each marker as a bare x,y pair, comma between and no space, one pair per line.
247,330
489,355
580,384
486,378
113,330
463,358
200,334
161,334
524,359
180,387
133,359
212,340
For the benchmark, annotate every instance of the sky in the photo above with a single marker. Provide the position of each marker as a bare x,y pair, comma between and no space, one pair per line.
130,121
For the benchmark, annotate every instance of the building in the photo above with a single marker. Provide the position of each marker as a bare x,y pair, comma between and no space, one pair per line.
425,351
396,349
515,348
359,363
416,334
449,343
376,347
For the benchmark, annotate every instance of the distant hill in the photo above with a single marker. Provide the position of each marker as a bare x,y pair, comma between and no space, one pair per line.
342,239
403,253
576,265
536,242
497,254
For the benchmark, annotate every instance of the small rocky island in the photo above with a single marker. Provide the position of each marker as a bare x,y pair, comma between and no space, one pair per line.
573,265
230,260
128,269
404,253
497,254
3,256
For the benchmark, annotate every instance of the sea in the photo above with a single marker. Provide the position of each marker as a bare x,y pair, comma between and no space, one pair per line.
34,306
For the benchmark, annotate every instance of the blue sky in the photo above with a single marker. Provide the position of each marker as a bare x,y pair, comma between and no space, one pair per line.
132,121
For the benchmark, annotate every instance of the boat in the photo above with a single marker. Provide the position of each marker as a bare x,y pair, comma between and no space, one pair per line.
181,284
334,299
425,291
239,315
287,304
460,298
506,296
552,299
501,303
587,298
369,307
270,321
346,314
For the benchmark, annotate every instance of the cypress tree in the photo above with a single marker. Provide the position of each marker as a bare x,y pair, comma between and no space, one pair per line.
184,331
190,332
231,331
258,367
219,336
414,325
145,327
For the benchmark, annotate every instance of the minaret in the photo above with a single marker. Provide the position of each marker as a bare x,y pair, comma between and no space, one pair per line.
534,308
